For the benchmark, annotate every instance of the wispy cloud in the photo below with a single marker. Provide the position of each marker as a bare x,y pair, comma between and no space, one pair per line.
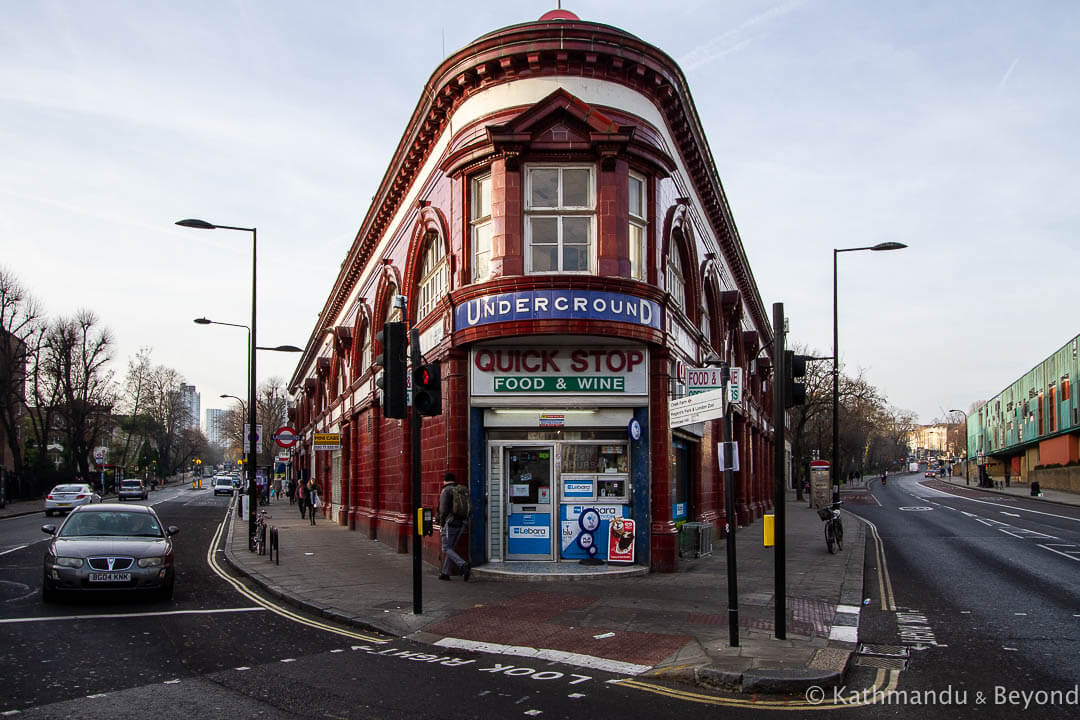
1008,73
732,41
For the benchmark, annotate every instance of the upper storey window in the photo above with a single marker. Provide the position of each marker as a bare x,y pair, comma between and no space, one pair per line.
434,275
638,224
676,278
480,227
560,209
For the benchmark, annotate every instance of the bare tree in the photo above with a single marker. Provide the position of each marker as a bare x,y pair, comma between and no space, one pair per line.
166,406
77,353
21,330
133,402
271,408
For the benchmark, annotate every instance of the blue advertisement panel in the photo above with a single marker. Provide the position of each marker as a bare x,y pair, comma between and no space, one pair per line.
571,529
529,534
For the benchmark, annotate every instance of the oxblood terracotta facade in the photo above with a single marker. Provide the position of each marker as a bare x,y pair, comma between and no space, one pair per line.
558,93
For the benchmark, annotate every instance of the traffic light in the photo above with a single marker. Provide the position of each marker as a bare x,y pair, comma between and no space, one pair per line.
392,360
427,389
794,367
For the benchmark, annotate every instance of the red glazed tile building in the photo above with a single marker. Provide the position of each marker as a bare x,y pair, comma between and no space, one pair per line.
557,225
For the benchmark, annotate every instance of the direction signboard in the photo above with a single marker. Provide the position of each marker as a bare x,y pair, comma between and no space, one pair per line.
696,408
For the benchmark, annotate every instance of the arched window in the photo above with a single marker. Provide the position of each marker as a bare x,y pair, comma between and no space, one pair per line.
638,224
363,353
676,278
706,325
480,227
434,275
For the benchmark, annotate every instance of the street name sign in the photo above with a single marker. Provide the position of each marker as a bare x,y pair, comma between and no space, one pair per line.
696,408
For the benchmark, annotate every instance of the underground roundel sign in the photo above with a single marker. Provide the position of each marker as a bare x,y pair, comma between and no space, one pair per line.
285,436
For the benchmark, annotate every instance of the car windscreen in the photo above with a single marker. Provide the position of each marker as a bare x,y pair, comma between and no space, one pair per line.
117,523
68,488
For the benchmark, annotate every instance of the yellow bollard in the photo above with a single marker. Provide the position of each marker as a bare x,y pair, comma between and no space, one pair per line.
770,529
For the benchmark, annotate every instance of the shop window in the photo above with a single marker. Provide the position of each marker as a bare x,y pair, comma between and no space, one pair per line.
480,227
638,227
434,275
559,219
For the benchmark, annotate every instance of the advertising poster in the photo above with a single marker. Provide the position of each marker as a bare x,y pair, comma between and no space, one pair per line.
621,541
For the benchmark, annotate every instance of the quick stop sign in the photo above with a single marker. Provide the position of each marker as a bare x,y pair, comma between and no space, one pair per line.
285,436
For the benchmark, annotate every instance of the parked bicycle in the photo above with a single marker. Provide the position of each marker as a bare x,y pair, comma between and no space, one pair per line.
260,532
834,527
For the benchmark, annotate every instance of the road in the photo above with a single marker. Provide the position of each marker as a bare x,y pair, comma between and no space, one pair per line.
985,596
982,593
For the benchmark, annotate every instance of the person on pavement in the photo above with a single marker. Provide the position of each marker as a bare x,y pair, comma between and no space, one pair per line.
452,524
301,498
313,500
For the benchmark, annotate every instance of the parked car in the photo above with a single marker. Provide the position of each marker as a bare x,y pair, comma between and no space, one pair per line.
132,490
109,547
223,484
64,498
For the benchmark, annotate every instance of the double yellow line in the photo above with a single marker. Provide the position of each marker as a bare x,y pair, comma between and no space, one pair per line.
211,560
888,601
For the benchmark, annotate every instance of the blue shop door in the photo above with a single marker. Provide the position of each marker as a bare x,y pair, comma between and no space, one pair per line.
530,499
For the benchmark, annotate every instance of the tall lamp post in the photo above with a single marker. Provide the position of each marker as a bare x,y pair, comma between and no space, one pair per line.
203,225
836,358
966,454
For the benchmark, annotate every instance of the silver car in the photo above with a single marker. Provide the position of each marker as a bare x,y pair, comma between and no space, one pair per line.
63,498
132,490
109,547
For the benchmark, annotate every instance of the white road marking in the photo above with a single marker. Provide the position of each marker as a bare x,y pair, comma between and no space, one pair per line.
242,668
94,696
848,609
1020,614
20,547
1064,554
1010,514
287,660
844,633
570,658
987,502
576,695
534,712
130,615
172,682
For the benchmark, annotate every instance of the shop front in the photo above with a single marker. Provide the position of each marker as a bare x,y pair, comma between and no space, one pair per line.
560,467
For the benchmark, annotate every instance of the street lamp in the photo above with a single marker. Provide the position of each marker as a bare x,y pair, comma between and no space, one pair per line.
836,359
203,225
966,481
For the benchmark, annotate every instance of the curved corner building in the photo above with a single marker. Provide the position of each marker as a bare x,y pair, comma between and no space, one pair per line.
556,222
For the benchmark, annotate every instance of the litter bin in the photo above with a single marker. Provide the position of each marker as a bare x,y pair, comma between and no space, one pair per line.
770,530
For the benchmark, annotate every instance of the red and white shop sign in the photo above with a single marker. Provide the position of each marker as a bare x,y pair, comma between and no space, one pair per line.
523,370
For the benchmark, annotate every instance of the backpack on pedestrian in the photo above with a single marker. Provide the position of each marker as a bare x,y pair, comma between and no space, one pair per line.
459,496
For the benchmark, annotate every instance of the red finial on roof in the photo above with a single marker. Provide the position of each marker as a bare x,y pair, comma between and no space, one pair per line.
559,14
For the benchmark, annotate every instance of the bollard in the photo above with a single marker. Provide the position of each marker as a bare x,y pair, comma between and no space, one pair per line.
274,544
769,528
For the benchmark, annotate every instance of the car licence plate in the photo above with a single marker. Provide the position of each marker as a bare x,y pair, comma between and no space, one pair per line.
110,577
63,504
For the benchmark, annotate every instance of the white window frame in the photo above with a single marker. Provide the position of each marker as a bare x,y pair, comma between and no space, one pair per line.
434,275
478,223
676,276
560,211
639,270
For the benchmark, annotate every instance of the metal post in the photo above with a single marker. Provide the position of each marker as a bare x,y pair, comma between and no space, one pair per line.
253,453
729,503
780,373
835,385
415,421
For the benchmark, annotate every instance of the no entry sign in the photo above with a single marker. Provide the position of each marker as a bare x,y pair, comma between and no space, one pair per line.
285,436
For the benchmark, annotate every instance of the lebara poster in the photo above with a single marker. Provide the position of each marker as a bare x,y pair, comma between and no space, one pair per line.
621,541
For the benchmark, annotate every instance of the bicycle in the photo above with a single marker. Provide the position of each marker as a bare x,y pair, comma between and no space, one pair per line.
834,527
260,532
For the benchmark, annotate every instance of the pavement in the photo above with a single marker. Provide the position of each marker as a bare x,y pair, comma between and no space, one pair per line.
666,625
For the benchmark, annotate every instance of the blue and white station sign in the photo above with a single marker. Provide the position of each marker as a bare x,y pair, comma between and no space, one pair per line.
557,305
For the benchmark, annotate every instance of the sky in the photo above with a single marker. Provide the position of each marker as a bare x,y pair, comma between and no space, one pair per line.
948,125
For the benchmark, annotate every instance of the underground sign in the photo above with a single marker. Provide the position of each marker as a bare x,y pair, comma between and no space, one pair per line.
285,436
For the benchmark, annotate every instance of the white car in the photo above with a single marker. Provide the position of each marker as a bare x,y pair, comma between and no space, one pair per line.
223,484
64,498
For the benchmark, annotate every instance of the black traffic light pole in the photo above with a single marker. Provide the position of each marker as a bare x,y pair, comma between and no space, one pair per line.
780,373
729,506
415,422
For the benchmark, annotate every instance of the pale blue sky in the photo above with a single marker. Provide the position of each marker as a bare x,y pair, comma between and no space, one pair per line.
950,126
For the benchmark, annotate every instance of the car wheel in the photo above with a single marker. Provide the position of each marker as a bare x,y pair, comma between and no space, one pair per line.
48,513
166,593
48,593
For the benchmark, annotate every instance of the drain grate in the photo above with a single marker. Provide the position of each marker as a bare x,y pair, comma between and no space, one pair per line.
896,651
883,663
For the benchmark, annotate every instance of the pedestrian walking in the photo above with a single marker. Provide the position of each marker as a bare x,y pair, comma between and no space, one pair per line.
301,499
313,500
452,516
